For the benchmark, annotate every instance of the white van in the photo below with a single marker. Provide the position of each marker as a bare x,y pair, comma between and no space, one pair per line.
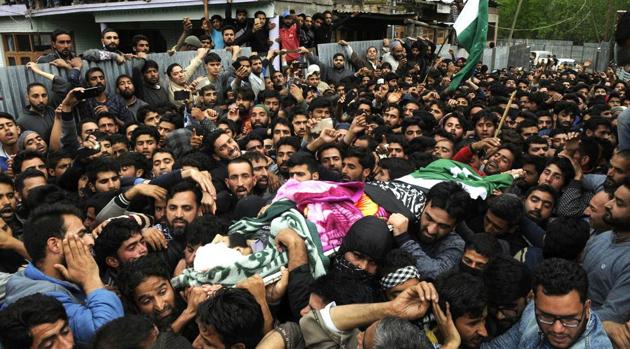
539,57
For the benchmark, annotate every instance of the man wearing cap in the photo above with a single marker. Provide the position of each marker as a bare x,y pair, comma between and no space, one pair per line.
191,43
396,55
313,79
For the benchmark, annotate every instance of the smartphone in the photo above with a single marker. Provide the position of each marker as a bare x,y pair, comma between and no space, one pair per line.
322,124
181,95
89,92
236,65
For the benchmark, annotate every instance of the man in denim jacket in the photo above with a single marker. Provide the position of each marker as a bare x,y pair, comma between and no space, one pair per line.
560,315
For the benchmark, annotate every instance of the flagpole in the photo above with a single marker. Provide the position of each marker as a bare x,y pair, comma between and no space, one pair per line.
437,55
505,113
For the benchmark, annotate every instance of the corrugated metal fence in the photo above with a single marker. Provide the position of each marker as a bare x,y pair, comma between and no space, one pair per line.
15,79
327,51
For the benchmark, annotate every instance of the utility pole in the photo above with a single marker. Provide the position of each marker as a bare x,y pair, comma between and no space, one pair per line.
518,9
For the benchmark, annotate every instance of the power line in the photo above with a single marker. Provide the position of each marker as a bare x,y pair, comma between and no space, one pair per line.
546,26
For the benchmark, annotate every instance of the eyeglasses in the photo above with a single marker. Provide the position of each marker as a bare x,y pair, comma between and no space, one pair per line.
548,319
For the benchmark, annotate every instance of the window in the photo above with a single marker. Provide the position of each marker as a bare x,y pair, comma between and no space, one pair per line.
21,48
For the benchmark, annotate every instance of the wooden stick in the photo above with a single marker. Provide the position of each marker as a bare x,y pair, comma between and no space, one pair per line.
505,113
205,10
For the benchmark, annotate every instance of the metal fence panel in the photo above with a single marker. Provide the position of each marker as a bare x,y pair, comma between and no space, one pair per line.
518,56
325,52
15,79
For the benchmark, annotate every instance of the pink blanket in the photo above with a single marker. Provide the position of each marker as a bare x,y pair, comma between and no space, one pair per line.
329,205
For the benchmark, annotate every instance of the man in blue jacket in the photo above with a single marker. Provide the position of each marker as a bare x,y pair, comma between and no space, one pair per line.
560,315
63,267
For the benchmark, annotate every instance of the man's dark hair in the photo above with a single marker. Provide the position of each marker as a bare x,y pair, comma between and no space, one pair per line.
396,259
266,94
144,130
137,38
129,331
245,93
194,159
35,84
211,57
228,27
170,68
486,115
365,159
115,233
53,158
143,111
4,115
450,197
57,32
506,280
185,186
484,244
545,188
102,165
292,141
342,289
91,71
18,319
559,277
29,173
45,222
535,139
137,160
508,207
303,158
25,155
108,30
565,238
134,273
5,179
465,293
397,167
202,230
219,311
565,167
173,118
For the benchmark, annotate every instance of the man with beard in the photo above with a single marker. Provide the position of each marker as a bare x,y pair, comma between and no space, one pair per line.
330,156
179,77
110,51
505,158
435,246
103,102
467,299
619,169
147,81
126,90
264,187
595,212
9,133
508,283
240,79
271,99
285,148
256,77
240,182
145,286
12,251
335,73
38,116
539,203
356,166
560,315
566,112
61,48
607,259
259,116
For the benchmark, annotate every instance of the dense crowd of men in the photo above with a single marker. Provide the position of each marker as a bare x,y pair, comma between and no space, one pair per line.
110,200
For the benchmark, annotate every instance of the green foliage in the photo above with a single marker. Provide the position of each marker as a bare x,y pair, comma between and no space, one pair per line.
576,20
